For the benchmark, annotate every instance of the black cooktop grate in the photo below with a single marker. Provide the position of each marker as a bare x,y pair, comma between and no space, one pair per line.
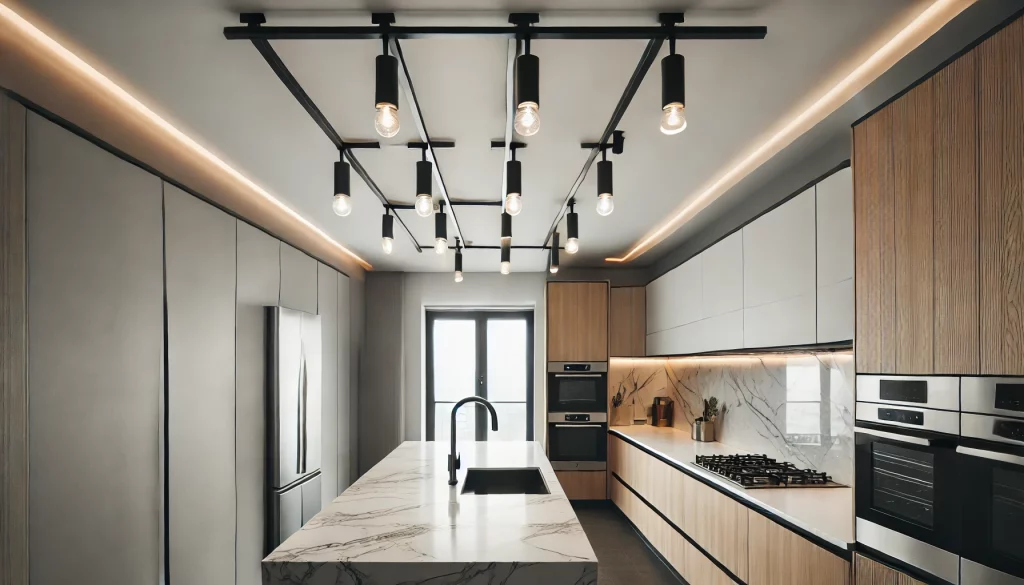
751,471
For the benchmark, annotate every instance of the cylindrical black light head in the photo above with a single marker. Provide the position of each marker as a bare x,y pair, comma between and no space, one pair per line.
527,79
506,227
513,177
673,80
440,224
572,225
604,177
458,260
424,177
341,178
387,80
506,252
553,267
387,226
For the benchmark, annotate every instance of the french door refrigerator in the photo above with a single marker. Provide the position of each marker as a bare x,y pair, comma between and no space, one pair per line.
293,422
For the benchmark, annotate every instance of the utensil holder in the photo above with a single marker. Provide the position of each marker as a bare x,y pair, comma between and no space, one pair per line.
703,431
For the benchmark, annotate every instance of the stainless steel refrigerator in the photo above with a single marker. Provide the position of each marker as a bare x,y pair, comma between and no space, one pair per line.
293,422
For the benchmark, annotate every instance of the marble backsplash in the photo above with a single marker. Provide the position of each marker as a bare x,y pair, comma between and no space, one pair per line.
793,407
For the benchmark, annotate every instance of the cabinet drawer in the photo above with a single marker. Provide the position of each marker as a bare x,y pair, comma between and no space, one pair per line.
583,485
779,556
868,572
659,483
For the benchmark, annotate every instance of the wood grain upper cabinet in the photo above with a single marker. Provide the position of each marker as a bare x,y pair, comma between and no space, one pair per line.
577,321
874,245
1001,200
627,327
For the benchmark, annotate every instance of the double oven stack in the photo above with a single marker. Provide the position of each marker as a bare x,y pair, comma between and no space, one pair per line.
578,416
940,475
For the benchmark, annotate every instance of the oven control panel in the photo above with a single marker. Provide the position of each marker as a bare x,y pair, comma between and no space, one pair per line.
579,417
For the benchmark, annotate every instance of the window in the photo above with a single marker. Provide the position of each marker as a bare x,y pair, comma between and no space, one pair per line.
480,353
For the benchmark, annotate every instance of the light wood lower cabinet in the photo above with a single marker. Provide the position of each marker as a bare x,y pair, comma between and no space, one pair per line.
583,485
716,522
689,562
779,556
868,572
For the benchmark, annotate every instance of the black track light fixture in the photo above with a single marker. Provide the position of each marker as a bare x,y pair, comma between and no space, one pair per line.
440,230
458,260
605,203
342,194
387,231
553,263
386,120
424,186
527,117
506,228
506,258
572,228
513,185
673,82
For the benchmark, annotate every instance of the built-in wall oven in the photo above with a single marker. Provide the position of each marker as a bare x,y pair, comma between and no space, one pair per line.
992,463
908,499
578,441
578,387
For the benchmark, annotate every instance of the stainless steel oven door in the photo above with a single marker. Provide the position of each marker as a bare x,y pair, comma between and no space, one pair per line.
992,463
577,387
578,441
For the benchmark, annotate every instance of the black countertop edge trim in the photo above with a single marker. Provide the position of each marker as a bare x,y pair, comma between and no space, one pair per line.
692,542
843,165
967,49
898,565
651,547
843,553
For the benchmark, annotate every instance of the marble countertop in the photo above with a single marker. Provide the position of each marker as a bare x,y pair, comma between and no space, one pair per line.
404,512
827,513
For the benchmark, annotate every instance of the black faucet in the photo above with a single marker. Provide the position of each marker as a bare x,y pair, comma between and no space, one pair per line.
454,461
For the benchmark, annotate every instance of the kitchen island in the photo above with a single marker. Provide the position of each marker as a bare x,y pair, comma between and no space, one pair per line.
402,523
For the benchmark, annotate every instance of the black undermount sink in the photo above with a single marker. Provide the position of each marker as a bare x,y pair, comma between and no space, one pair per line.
509,480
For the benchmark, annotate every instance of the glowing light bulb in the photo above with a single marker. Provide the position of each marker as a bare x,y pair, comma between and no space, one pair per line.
388,244
605,205
572,245
424,205
386,121
553,270
342,204
458,276
440,246
506,267
673,118
513,203
527,120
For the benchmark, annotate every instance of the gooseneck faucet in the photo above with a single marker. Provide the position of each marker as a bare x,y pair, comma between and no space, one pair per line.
454,460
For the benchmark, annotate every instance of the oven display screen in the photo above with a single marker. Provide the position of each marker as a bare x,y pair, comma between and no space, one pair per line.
904,390
1010,397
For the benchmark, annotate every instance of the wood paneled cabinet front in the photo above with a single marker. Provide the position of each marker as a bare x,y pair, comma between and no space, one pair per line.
939,214
779,556
868,572
583,485
577,321
627,327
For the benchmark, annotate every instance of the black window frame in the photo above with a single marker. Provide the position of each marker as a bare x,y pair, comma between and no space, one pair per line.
480,317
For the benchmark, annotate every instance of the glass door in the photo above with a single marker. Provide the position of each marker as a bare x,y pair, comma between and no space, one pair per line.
480,353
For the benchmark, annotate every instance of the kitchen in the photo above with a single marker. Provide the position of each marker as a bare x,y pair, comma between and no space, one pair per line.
788,354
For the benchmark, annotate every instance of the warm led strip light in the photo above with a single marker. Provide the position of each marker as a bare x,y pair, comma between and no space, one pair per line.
906,40
127,99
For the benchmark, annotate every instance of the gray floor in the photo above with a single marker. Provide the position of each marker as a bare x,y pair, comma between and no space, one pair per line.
622,557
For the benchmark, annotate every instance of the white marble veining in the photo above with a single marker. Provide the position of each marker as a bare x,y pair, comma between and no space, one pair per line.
824,512
402,523
792,407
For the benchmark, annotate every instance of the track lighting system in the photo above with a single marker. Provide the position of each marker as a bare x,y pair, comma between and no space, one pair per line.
572,228
605,188
506,228
424,187
387,231
553,260
458,260
513,185
386,95
527,89
506,257
440,230
673,81
342,187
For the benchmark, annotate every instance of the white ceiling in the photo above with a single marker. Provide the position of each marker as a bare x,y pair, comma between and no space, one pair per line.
174,57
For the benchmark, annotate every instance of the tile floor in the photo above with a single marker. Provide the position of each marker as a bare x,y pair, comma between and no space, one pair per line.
622,557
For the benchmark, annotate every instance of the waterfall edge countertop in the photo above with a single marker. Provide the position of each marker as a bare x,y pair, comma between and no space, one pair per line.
402,523
824,512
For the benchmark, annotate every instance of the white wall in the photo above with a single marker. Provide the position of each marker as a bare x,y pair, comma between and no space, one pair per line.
478,290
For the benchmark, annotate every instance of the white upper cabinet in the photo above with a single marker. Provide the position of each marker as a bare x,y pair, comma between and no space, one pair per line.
835,257
778,253
674,299
722,270
835,228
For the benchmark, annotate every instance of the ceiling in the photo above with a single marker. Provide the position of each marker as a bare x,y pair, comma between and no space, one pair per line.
173,56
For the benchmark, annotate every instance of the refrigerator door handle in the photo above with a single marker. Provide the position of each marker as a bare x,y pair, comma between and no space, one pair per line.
302,409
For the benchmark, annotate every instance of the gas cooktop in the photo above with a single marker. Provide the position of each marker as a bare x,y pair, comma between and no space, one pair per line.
761,471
